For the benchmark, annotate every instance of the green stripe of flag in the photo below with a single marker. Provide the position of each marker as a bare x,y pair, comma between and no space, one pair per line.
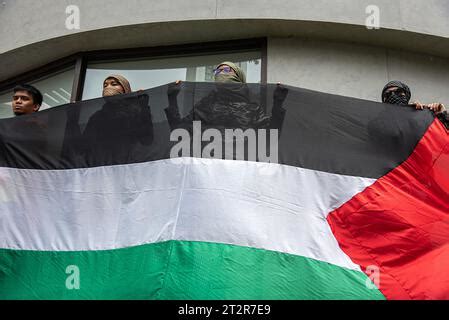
176,270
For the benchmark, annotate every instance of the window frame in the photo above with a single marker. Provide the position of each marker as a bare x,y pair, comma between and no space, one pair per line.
81,60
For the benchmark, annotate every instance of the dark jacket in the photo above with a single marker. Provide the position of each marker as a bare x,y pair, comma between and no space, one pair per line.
229,109
444,118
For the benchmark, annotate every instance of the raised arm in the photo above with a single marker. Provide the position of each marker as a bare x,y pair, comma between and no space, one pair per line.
278,111
172,111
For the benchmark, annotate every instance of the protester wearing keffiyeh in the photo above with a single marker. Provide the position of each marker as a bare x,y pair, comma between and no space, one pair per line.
396,92
115,84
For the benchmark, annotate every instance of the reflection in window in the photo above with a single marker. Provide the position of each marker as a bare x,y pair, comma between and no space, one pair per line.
149,73
5,105
55,88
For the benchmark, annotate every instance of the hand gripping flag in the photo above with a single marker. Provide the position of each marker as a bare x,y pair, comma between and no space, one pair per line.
214,191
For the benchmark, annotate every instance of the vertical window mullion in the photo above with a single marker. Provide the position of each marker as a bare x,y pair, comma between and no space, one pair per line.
78,81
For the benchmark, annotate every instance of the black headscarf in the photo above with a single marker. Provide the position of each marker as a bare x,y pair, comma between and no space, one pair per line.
395,98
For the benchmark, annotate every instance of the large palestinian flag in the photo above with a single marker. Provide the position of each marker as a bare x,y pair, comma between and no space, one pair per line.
353,202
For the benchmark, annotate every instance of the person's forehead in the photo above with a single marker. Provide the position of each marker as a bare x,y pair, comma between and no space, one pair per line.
21,93
111,79
221,66
393,89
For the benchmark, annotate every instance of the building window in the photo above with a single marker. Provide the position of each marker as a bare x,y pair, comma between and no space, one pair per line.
56,89
147,73
80,76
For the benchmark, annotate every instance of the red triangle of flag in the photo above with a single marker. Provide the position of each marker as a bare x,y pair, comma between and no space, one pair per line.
400,224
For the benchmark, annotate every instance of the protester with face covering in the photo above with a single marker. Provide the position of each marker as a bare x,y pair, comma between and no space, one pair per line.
229,105
115,84
228,72
120,130
397,92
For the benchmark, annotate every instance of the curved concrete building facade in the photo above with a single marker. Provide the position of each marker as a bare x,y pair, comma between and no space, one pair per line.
321,45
